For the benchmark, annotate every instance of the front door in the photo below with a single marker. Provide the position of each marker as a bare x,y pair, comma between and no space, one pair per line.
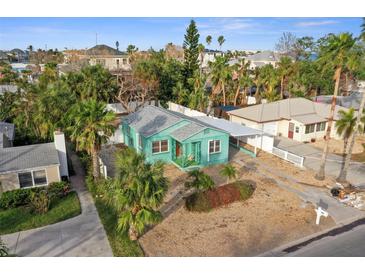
196,151
178,149
291,130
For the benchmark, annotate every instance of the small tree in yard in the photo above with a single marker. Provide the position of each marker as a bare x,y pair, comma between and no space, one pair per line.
228,171
137,191
200,182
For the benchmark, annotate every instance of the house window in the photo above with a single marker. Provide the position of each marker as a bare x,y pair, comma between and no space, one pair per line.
34,178
160,146
214,146
40,177
25,179
309,128
321,126
296,129
124,61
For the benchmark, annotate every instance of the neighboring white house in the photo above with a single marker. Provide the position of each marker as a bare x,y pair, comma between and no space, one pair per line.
209,55
296,118
259,59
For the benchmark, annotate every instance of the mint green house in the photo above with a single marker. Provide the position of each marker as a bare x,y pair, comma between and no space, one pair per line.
175,138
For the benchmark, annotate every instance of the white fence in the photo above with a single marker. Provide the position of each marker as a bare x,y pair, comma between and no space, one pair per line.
290,157
185,110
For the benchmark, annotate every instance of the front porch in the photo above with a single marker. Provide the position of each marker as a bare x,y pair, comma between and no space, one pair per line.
186,155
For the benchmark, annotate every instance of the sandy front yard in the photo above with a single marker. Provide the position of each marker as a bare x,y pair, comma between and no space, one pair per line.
270,218
336,146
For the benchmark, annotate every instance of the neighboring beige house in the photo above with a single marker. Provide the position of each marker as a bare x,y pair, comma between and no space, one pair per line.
260,59
110,58
209,55
33,165
295,118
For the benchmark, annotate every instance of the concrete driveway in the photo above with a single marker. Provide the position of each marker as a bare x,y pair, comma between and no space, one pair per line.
356,171
82,235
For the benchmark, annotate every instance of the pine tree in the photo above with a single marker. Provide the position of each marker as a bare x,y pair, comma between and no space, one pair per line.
191,51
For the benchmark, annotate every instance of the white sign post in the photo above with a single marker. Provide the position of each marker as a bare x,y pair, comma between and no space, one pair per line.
320,212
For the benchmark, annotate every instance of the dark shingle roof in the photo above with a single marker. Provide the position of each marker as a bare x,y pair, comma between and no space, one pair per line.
103,50
27,157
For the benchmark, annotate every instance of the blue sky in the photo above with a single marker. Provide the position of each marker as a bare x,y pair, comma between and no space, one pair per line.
240,33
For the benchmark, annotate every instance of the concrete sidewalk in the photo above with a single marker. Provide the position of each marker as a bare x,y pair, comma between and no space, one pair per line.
356,171
82,235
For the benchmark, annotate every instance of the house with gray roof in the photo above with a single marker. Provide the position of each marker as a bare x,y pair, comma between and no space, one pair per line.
110,58
351,101
295,118
175,138
33,165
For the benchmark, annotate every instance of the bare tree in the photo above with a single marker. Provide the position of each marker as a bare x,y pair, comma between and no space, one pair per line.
286,43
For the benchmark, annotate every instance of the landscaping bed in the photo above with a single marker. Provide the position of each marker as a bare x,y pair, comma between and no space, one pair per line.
220,196
271,217
23,217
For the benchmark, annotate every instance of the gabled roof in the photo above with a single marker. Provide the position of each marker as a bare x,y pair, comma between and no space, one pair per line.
292,108
266,55
27,157
103,50
151,120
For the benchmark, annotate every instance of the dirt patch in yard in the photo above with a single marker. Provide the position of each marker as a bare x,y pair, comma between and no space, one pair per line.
302,176
270,218
336,146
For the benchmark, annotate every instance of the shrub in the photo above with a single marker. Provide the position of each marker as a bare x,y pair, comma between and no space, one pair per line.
40,201
59,189
20,197
223,195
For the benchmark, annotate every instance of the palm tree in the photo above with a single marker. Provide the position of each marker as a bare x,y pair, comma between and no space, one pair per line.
244,81
117,45
257,80
201,49
221,40
333,53
270,81
220,75
284,69
362,34
228,171
136,192
208,40
345,127
90,126
201,181
358,128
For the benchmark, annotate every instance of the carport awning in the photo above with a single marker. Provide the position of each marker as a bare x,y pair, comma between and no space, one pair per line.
234,129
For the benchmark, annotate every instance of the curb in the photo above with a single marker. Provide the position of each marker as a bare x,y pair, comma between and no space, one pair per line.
298,244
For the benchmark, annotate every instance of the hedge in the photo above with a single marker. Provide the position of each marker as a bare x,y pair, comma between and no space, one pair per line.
220,196
20,197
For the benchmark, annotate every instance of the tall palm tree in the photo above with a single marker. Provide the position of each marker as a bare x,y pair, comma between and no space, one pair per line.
333,53
208,40
362,34
257,80
201,49
117,45
221,40
220,75
345,127
358,128
244,81
284,68
137,191
90,126
270,81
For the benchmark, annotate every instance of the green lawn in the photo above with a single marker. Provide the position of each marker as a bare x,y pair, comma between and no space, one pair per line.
22,218
120,244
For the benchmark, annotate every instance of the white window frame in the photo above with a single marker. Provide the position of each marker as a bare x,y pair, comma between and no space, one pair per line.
214,146
160,145
33,183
